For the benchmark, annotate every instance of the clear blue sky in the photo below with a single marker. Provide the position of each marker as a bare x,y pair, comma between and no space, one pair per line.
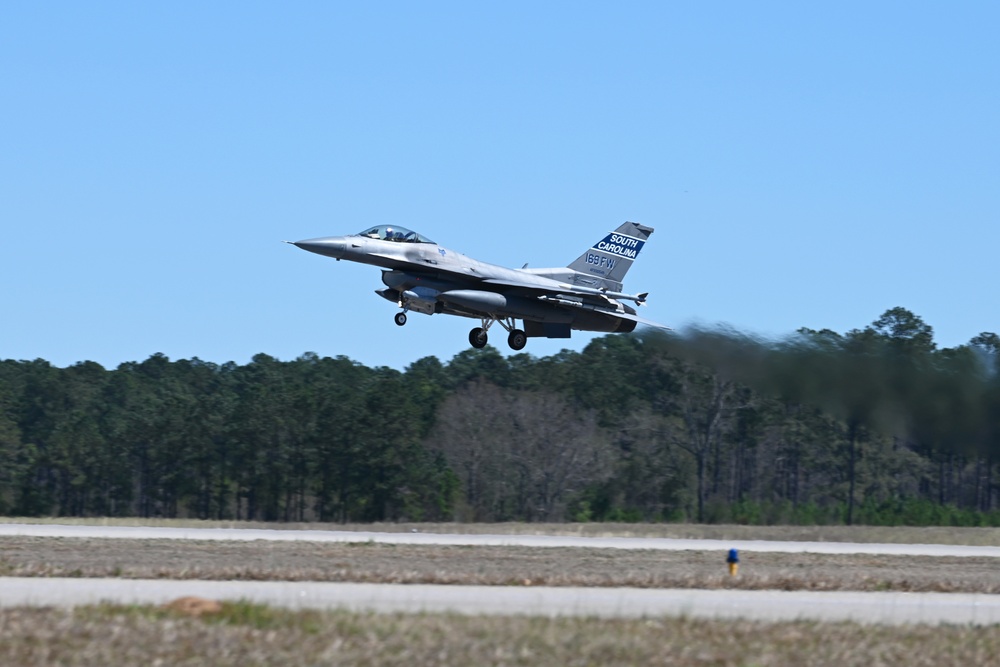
803,165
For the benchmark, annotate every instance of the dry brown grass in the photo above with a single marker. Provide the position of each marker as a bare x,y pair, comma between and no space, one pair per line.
502,566
251,635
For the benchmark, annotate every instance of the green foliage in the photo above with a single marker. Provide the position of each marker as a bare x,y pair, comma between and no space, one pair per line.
753,513
876,426
923,512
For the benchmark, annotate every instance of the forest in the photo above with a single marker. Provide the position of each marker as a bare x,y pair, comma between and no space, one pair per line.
877,425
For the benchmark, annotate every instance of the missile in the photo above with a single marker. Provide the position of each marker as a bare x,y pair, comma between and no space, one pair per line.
638,298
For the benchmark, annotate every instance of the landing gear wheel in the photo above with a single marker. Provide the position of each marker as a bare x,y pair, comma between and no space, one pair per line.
517,339
400,319
478,338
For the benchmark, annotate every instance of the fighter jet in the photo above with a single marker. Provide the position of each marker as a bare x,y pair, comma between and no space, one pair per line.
423,277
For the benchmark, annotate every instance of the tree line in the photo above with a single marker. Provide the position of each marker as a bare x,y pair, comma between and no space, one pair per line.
876,425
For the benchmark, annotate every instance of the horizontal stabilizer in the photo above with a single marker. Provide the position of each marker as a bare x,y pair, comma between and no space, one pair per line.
640,320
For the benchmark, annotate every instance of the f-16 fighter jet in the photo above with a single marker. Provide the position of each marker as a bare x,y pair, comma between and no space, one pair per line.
423,277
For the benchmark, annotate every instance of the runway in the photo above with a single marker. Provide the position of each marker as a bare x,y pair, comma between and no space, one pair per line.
541,541
893,608
896,608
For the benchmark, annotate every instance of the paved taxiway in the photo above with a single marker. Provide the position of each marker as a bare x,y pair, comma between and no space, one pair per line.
440,539
549,601
932,608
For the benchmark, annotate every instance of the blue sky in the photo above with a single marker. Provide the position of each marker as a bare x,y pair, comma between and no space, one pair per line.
803,165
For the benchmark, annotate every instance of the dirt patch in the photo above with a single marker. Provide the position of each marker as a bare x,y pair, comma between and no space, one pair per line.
193,606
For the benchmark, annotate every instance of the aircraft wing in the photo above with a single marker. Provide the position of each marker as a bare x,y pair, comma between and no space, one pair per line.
529,285
554,292
554,288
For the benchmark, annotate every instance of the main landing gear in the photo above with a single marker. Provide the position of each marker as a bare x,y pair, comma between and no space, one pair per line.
479,336
516,338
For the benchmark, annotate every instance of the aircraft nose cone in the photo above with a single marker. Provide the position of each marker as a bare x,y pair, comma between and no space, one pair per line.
330,246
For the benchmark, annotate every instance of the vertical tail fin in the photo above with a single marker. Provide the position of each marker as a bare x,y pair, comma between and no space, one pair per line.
607,261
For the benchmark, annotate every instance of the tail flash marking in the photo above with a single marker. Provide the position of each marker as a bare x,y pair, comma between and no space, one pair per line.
621,245
609,259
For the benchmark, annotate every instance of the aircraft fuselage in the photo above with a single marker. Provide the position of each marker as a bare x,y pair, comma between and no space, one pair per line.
424,277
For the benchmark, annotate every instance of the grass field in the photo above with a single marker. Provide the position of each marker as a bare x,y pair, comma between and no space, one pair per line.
250,635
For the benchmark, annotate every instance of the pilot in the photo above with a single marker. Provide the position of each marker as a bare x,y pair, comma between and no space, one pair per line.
388,233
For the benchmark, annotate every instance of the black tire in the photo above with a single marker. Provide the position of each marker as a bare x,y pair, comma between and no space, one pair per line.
400,319
478,338
517,339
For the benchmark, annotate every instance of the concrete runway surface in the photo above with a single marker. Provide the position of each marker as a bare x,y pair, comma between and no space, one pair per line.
894,608
441,539
931,608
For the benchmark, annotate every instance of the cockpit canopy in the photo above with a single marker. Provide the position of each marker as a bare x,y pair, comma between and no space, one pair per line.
395,233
